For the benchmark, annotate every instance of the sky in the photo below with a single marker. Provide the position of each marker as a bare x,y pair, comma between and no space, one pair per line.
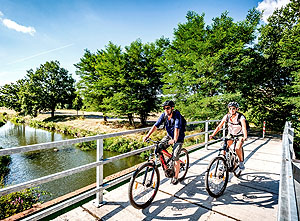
33,32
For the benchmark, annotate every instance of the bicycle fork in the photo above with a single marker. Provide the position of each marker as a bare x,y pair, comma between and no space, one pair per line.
149,182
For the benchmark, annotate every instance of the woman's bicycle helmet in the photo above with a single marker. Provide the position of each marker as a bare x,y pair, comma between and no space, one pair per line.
233,104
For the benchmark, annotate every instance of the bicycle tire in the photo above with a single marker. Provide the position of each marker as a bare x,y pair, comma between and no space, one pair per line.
141,195
213,176
184,165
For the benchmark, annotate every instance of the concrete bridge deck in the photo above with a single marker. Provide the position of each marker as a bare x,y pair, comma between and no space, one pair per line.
253,196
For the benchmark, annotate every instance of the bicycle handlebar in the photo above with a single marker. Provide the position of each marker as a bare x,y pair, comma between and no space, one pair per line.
153,141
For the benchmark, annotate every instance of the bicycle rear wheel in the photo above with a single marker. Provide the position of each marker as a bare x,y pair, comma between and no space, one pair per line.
216,177
143,185
184,164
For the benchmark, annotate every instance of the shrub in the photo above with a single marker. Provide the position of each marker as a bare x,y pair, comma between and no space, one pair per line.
14,203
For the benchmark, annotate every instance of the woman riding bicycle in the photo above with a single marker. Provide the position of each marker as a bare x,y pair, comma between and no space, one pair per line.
175,133
236,128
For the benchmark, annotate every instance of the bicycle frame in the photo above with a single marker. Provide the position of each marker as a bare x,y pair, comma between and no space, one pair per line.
145,181
231,155
161,156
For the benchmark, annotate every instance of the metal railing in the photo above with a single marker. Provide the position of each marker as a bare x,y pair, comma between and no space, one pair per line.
100,186
287,203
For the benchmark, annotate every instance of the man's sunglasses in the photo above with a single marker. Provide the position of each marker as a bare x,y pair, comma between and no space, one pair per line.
232,108
167,108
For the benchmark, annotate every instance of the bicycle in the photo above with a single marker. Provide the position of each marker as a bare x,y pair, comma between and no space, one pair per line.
145,181
216,177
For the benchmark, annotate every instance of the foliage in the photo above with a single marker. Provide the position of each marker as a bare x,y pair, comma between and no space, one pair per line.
14,203
18,201
124,83
276,93
77,103
10,95
203,65
47,87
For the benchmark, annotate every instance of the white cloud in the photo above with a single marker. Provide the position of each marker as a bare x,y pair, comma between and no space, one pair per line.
13,25
269,6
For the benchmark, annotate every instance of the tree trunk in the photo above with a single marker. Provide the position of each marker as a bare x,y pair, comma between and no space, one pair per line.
52,112
130,118
143,118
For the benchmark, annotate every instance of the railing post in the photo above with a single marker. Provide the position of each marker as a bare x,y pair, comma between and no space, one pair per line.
264,129
99,171
206,134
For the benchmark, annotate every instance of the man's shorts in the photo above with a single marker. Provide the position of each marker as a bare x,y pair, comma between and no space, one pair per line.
176,147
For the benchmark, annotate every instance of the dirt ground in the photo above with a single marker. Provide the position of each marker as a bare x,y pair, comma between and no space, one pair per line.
91,121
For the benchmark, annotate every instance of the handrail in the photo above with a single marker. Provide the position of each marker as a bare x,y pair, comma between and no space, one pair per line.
287,203
98,164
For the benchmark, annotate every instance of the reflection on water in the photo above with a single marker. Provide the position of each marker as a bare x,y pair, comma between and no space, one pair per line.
36,164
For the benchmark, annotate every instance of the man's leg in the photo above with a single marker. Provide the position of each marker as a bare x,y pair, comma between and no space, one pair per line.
164,143
176,151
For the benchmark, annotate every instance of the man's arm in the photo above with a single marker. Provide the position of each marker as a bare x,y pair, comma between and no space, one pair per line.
176,135
153,128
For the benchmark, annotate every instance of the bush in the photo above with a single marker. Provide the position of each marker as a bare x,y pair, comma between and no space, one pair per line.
14,203
19,201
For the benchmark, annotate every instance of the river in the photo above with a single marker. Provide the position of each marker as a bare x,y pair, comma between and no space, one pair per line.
36,164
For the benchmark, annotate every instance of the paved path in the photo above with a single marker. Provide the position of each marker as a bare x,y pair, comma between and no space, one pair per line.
253,196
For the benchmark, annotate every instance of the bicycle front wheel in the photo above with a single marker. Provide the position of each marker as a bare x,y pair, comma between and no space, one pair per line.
143,185
184,164
216,177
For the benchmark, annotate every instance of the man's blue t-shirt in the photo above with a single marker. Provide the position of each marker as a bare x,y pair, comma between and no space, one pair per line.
174,122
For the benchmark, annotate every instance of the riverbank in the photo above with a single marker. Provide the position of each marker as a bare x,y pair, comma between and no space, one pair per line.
91,123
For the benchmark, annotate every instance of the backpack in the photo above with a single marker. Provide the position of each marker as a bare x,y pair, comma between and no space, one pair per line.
183,121
239,121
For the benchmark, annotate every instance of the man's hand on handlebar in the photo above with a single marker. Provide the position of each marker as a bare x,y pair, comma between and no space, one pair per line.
171,142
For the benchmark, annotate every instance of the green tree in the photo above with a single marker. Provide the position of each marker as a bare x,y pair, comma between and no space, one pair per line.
47,87
77,103
279,67
99,76
205,61
10,95
141,82
123,83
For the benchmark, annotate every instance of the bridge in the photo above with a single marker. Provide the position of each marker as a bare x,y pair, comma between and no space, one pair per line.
264,191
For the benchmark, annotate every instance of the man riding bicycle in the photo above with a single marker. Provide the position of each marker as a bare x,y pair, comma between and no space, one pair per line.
236,128
175,133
